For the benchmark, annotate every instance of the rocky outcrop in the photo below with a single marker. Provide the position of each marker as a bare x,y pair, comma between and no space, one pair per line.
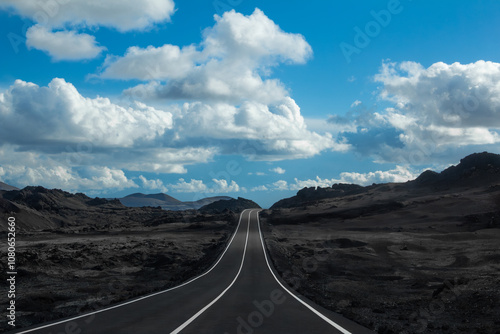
234,205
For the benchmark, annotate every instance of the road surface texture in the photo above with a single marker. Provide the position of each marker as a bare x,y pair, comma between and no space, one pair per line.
240,294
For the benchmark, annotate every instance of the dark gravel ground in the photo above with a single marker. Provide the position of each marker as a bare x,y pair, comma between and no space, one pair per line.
63,273
429,265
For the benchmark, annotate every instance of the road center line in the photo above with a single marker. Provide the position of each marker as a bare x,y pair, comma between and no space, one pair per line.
148,296
190,320
319,314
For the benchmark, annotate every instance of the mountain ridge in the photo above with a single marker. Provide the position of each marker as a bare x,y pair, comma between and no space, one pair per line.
473,170
6,187
167,202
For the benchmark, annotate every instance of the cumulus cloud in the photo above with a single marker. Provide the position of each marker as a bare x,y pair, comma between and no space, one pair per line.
258,188
63,45
280,185
85,143
397,175
193,186
224,83
217,186
273,133
434,110
39,170
222,186
59,22
227,65
278,170
153,184
123,15
32,115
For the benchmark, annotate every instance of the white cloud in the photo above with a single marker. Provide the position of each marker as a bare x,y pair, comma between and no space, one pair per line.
63,45
168,61
153,184
193,186
198,186
227,65
443,105
222,186
58,113
59,23
280,185
123,15
58,176
259,188
396,175
356,103
224,80
56,137
275,133
399,174
278,170
434,110
318,182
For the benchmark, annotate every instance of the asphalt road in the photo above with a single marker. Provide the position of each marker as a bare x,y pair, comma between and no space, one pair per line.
240,294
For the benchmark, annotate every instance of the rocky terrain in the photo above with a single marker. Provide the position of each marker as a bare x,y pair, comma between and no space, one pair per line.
415,257
418,257
98,252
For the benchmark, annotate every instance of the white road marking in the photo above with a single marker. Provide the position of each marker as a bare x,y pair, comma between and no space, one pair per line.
190,320
319,314
148,296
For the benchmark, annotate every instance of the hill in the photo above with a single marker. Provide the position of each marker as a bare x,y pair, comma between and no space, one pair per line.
6,187
167,202
234,205
478,169
38,208
473,170
433,240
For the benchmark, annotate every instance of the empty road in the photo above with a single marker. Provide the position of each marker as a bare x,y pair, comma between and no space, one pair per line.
240,294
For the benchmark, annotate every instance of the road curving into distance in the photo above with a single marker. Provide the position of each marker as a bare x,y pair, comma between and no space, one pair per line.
240,294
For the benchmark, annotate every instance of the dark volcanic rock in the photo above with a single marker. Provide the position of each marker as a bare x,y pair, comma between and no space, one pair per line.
312,194
102,201
475,169
235,205
7,206
39,198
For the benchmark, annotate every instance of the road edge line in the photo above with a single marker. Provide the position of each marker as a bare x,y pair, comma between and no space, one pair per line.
319,314
197,314
144,297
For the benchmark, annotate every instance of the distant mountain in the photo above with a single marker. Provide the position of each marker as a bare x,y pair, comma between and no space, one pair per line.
235,205
40,198
206,201
38,208
473,170
167,202
478,169
6,187
139,200
312,194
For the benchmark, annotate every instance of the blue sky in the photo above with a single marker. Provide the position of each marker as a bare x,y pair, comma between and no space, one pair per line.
259,101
